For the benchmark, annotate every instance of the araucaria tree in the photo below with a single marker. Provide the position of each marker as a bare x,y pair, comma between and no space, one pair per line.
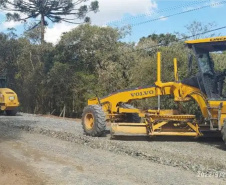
71,11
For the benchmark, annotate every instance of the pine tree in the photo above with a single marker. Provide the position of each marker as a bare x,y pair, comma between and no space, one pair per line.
45,11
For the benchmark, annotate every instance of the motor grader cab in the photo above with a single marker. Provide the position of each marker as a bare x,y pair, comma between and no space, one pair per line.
208,80
8,98
206,87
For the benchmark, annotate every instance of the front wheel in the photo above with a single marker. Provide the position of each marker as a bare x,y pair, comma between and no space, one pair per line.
93,121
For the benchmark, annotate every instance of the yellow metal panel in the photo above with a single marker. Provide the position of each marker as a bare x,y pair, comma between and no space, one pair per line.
126,96
200,98
128,129
159,125
176,70
192,134
168,112
207,40
194,127
163,112
159,68
173,117
9,99
123,110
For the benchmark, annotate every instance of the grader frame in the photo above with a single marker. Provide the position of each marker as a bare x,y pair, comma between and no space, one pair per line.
158,121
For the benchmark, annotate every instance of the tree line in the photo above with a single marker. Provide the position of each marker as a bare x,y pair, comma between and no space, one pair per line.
88,61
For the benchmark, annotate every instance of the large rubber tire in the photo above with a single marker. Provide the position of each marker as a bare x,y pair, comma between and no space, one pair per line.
131,117
223,132
11,112
93,121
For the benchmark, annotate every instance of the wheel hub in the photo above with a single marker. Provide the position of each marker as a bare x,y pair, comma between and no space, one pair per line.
89,121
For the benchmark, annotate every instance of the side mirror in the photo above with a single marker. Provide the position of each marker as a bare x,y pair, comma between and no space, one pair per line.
190,61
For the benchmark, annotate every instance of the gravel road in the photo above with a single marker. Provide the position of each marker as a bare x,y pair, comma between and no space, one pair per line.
48,150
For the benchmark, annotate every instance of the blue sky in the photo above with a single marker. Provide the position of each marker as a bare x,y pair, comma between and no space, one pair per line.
113,12
177,23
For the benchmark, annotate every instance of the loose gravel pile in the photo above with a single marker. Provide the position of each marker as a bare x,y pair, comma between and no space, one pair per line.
186,153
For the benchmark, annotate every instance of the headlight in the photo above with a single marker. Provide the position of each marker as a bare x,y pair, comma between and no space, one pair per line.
11,98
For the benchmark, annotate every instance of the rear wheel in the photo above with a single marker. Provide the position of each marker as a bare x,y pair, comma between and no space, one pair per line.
93,121
223,132
131,117
11,112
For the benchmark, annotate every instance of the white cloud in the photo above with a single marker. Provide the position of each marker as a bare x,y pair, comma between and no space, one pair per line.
11,24
53,34
110,10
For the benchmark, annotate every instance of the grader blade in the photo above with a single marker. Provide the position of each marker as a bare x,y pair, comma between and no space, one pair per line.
159,125
129,129
142,129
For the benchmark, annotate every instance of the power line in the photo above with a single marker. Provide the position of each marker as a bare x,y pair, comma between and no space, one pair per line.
181,39
187,11
159,11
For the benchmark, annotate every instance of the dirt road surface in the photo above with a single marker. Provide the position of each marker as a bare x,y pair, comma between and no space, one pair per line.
44,150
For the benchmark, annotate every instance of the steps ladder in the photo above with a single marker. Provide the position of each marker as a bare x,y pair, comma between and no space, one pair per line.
210,117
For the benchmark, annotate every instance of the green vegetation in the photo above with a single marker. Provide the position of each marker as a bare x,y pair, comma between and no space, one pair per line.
88,61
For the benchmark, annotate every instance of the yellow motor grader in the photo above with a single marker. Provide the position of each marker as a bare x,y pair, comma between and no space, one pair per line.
206,87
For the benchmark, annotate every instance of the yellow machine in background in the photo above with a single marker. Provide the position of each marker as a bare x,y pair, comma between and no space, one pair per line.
8,99
206,88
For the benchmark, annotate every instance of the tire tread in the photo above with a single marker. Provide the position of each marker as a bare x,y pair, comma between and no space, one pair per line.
99,121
